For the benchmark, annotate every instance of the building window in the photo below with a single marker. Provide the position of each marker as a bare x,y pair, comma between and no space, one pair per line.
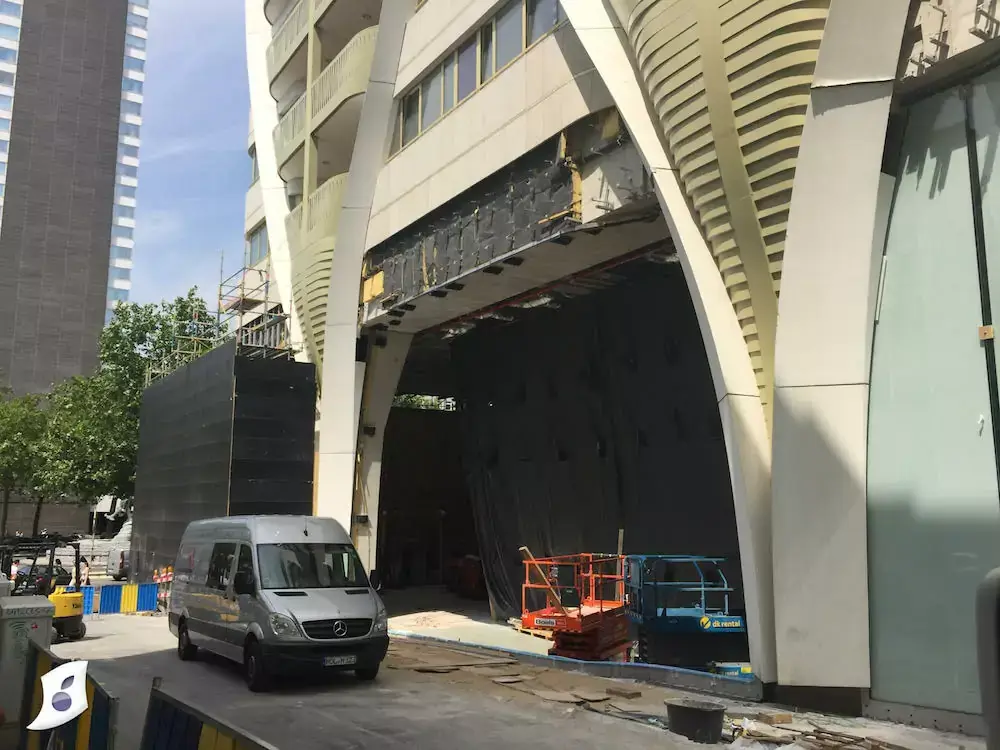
495,45
543,16
128,129
4,125
467,68
8,8
137,42
121,253
487,53
257,246
134,63
131,85
8,55
130,151
6,78
121,232
120,274
117,295
124,191
127,170
124,212
430,99
254,166
411,117
4,147
131,108
9,32
134,19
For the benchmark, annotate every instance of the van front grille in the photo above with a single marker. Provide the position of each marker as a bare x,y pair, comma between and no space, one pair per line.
330,630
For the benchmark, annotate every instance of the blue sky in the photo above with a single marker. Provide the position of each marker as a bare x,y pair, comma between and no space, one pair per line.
194,170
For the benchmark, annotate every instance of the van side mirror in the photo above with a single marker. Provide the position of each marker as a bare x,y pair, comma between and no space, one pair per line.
375,580
243,585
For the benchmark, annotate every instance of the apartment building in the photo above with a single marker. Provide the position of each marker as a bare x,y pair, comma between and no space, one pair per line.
69,115
709,277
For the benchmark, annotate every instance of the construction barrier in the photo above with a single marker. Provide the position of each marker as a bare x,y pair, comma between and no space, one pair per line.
146,601
88,600
110,600
163,578
93,730
172,724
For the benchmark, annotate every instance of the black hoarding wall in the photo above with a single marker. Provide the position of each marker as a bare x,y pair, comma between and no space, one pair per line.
598,415
185,441
273,436
425,518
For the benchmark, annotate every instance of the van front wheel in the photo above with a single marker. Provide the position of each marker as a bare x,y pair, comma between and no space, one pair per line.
367,674
186,650
253,668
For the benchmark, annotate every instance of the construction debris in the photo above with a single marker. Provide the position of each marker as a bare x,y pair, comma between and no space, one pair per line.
591,696
764,716
512,679
558,696
624,692
752,734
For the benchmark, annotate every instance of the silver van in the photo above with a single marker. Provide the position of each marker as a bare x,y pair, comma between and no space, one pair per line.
277,594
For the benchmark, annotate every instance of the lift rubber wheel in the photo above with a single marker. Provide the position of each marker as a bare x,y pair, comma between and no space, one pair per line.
186,650
80,634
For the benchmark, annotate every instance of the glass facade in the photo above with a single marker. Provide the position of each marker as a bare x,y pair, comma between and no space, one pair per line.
933,514
127,173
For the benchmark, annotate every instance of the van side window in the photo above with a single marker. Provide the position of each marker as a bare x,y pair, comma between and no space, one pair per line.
220,565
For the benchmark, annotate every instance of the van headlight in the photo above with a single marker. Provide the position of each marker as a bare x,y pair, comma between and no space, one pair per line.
283,626
381,621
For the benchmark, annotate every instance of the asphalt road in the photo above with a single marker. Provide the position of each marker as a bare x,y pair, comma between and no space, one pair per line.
402,709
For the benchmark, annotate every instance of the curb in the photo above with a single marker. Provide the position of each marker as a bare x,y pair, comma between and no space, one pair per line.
735,688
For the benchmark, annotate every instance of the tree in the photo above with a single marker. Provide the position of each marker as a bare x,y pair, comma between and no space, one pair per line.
22,428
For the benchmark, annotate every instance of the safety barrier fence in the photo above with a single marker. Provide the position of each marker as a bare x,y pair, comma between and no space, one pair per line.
93,730
117,599
172,724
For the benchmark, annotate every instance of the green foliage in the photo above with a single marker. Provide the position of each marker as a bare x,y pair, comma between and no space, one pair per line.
22,426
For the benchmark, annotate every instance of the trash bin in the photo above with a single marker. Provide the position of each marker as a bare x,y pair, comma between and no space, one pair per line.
21,618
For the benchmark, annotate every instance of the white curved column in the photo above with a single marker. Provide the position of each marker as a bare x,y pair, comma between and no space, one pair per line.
735,385
836,231
342,377
264,114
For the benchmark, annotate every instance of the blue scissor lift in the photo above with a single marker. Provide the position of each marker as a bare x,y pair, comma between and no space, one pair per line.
680,607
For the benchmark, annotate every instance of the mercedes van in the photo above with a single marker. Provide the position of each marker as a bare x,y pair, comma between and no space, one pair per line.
278,594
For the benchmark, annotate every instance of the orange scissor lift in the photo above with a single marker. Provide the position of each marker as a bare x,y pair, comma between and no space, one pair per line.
587,617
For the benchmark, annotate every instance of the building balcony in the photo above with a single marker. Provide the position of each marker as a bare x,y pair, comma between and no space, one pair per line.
311,240
288,39
275,9
290,131
336,99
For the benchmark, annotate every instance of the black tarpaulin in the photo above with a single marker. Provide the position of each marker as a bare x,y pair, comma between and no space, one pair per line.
599,415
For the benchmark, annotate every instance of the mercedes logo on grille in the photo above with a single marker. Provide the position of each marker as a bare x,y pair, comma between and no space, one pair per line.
340,628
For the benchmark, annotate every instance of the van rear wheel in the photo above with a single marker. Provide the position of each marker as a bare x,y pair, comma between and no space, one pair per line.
253,668
367,674
186,650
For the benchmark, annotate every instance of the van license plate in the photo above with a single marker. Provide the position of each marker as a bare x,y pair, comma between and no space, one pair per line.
339,661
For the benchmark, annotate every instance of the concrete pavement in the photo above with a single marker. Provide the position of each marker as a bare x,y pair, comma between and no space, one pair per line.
402,709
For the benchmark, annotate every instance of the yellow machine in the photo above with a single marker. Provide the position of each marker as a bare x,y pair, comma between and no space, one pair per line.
39,573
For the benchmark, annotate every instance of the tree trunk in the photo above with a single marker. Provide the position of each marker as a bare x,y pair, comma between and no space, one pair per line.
3,512
38,515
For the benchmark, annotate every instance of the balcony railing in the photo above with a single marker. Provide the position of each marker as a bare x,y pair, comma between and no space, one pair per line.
289,131
324,208
287,39
347,75
293,228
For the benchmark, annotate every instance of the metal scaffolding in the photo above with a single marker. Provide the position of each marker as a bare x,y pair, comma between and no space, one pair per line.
246,312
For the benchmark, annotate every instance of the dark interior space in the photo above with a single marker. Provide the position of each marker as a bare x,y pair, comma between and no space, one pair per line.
427,535
584,411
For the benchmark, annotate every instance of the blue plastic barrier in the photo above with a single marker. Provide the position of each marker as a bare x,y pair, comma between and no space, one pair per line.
147,597
88,599
110,602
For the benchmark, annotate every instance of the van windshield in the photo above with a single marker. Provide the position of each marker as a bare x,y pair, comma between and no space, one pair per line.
301,565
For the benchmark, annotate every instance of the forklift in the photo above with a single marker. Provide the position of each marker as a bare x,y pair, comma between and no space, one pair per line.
38,575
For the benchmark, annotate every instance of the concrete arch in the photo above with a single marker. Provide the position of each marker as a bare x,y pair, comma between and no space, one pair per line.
343,378
736,385
836,231
264,115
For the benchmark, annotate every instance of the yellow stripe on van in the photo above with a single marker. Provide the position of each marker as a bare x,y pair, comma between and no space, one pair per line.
208,737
